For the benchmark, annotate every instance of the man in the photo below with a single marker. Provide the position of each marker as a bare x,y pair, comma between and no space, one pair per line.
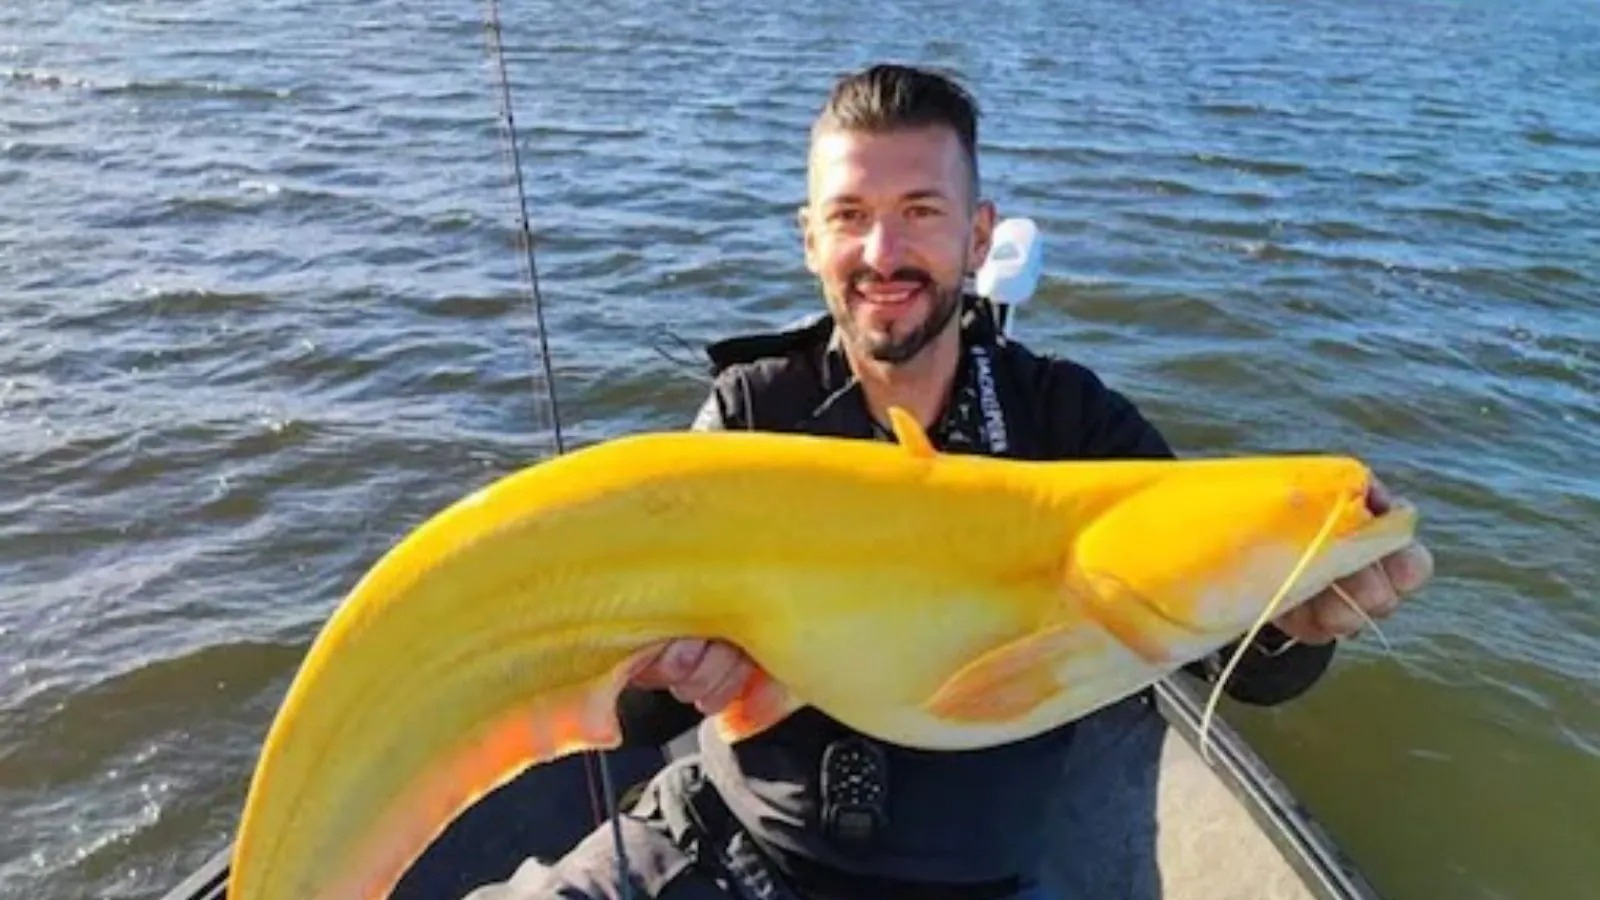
893,225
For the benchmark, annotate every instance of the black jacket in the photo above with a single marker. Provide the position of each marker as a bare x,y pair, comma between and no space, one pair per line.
1008,401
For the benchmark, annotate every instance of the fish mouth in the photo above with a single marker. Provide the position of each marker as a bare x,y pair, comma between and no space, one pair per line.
1382,534
1364,546
1374,538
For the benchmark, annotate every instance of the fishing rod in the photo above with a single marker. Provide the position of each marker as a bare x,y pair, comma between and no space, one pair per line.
494,33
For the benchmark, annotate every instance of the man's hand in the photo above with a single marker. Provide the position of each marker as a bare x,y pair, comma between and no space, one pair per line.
708,674
1378,589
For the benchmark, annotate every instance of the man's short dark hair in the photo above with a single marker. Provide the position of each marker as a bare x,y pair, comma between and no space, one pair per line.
887,96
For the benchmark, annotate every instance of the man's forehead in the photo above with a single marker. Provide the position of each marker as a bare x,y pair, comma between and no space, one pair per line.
850,162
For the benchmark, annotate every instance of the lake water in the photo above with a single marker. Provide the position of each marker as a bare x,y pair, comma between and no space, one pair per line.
261,311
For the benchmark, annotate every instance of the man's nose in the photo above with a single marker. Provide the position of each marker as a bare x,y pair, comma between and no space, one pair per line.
882,248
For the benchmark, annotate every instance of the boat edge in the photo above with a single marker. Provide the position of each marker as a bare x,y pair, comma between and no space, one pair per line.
1305,844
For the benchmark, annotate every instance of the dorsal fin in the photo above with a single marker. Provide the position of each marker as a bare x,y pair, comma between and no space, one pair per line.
910,434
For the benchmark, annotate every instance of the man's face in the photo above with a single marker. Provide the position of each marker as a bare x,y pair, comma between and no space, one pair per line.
890,229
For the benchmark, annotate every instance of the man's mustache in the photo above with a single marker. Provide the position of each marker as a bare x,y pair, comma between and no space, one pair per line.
864,277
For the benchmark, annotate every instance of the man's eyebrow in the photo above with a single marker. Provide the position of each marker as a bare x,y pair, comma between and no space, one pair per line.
919,194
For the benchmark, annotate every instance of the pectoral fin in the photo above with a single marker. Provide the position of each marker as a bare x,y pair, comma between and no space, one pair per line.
761,704
1010,681
1132,619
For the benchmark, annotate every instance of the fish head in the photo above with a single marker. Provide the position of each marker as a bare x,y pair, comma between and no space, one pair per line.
1190,558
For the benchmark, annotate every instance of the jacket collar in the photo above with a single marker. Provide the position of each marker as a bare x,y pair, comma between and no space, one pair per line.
844,405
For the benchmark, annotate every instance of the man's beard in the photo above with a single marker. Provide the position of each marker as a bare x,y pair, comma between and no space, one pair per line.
944,303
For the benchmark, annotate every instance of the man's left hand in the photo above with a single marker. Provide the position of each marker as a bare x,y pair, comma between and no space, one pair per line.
1378,590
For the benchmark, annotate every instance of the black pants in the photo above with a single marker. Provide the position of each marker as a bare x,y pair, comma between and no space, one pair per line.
1107,806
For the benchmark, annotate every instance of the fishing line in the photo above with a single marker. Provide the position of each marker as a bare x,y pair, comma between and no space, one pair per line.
493,33
690,367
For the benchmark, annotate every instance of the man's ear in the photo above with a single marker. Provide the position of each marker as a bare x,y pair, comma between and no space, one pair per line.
983,222
802,218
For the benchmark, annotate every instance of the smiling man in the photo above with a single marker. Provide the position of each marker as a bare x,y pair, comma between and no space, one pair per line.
894,225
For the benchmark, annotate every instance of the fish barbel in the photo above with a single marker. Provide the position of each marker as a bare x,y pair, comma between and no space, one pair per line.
931,600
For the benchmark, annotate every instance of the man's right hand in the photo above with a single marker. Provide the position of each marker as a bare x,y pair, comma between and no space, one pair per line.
708,674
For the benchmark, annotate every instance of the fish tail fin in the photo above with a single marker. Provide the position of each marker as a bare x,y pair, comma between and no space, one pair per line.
1266,615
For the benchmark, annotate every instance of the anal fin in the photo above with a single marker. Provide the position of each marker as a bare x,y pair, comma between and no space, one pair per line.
554,724
762,703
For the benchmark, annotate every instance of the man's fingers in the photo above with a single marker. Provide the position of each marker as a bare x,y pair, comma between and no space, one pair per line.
674,662
1329,616
710,671
1371,590
1409,568
728,688
708,674
1334,617
1300,623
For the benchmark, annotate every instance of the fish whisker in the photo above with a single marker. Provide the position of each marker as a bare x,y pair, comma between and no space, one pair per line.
1261,621
1351,602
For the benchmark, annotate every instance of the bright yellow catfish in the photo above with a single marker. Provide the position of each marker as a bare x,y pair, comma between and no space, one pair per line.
932,600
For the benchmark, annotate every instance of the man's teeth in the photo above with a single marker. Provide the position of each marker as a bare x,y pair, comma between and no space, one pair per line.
890,294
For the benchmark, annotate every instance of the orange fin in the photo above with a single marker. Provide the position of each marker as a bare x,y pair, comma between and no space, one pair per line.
1009,681
910,435
761,704
553,725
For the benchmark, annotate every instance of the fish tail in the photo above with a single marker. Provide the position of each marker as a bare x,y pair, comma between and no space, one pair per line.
547,726
575,719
